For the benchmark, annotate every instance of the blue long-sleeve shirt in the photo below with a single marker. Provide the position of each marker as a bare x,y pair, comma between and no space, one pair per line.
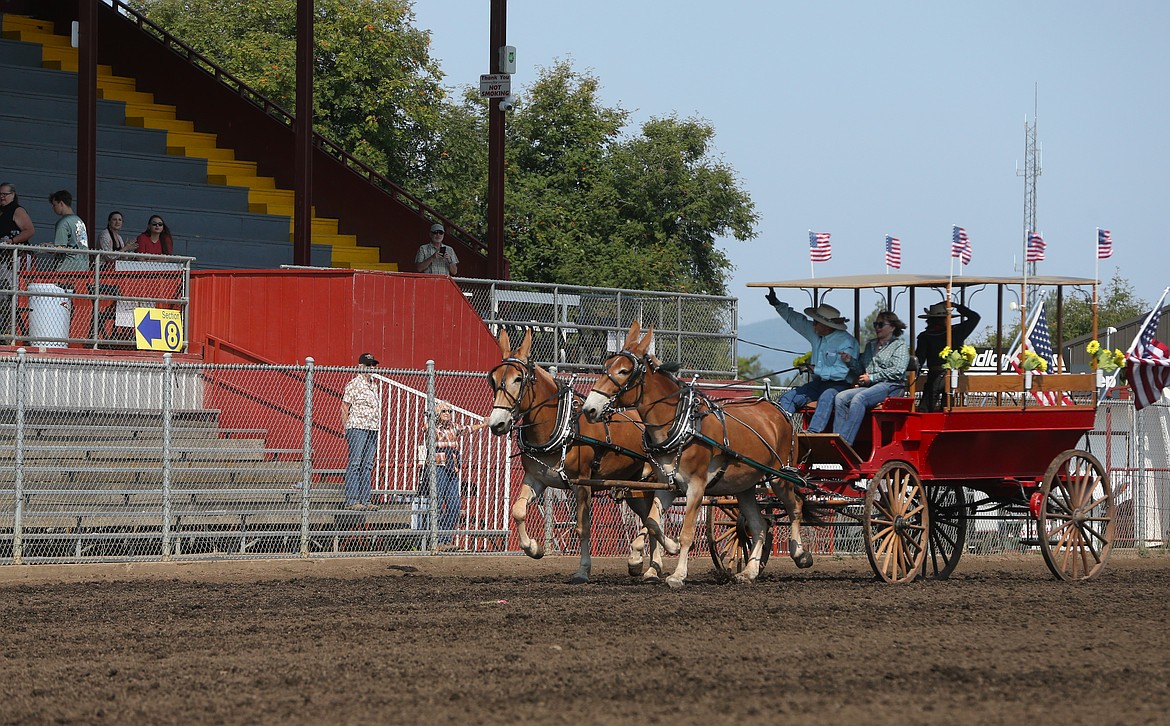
826,352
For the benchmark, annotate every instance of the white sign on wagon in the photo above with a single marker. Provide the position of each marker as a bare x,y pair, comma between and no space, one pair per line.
495,85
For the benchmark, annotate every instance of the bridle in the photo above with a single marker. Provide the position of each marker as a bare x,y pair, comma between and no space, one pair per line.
564,427
636,380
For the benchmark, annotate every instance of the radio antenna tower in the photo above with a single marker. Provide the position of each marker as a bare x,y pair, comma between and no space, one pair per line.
1031,173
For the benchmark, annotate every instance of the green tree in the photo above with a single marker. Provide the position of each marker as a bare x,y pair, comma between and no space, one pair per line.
376,89
588,206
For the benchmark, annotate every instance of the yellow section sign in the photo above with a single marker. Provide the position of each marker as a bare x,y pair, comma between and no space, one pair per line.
156,329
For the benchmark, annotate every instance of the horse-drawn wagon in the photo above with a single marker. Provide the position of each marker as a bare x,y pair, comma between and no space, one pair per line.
1004,446
912,480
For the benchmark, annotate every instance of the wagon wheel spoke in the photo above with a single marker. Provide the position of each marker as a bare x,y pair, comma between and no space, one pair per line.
1076,522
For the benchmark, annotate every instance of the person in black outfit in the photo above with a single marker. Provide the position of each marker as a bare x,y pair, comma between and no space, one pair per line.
930,344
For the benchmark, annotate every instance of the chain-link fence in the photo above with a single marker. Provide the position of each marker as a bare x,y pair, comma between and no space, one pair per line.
55,297
110,460
575,327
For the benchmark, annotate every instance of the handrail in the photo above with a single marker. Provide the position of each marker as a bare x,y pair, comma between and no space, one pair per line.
271,108
216,343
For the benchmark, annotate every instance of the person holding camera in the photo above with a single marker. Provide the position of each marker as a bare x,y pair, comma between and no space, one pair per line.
436,258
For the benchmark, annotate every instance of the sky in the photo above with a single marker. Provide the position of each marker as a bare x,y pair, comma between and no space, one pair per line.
864,119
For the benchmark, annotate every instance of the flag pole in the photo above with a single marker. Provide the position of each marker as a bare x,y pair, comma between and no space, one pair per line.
812,270
1096,277
1024,300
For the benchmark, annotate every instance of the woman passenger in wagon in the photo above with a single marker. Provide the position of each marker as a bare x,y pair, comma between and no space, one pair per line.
881,372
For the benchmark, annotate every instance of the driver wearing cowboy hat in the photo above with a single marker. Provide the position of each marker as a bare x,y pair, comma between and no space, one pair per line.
831,348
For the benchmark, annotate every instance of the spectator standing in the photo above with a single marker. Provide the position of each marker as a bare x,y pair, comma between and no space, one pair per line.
157,239
447,466
361,414
831,348
16,228
110,238
436,258
881,372
69,232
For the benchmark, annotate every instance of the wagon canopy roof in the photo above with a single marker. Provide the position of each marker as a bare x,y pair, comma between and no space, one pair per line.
860,282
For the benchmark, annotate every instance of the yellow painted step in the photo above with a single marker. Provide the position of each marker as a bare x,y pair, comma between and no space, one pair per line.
233,167
348,241
126,84
203,152
46,38
352,254
153,110
165,124
240,180
117,93
21,22
271,196
376,266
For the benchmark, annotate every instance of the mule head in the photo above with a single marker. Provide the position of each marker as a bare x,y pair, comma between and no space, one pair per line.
512,383
621,377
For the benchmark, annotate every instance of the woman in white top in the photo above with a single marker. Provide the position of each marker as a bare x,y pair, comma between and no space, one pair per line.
110,238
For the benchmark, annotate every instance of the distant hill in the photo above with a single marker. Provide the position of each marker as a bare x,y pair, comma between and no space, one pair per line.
773,333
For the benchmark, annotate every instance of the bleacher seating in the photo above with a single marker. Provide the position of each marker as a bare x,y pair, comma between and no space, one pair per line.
92,485
149,162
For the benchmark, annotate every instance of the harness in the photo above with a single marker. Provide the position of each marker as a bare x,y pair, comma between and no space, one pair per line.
566,429
686,426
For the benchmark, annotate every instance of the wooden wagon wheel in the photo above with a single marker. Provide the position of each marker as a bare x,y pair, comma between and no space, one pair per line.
1077,517
948,529
897,522
727,537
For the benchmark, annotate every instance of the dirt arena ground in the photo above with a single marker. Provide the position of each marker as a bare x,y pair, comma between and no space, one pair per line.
506,640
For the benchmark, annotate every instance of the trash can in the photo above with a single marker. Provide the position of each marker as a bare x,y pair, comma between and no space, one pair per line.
48,317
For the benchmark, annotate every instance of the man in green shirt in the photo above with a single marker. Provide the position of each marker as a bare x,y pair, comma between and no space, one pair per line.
69,232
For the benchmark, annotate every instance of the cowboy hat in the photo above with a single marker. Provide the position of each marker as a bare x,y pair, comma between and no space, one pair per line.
938,310
827,315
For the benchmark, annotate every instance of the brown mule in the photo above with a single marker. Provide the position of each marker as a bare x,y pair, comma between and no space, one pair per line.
702,447
558,446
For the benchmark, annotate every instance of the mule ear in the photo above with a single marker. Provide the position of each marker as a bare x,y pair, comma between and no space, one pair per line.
643,345
525,345
505,343
632,336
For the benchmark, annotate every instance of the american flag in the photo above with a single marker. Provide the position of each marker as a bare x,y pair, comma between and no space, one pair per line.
1036,247
1147,366
893,252
1039,342
819,247
1104,244
960,244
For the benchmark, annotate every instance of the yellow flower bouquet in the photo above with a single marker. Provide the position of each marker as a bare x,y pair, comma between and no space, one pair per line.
1033,362
802,360
1104,359
957,360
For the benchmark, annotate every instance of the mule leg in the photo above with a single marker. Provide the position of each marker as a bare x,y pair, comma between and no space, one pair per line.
659,505
694,498
584,530
528,492
757,529
640,507
794,507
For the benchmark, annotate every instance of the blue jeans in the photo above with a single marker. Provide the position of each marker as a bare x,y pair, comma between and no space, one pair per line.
363,443
817,390
850,405
447,502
